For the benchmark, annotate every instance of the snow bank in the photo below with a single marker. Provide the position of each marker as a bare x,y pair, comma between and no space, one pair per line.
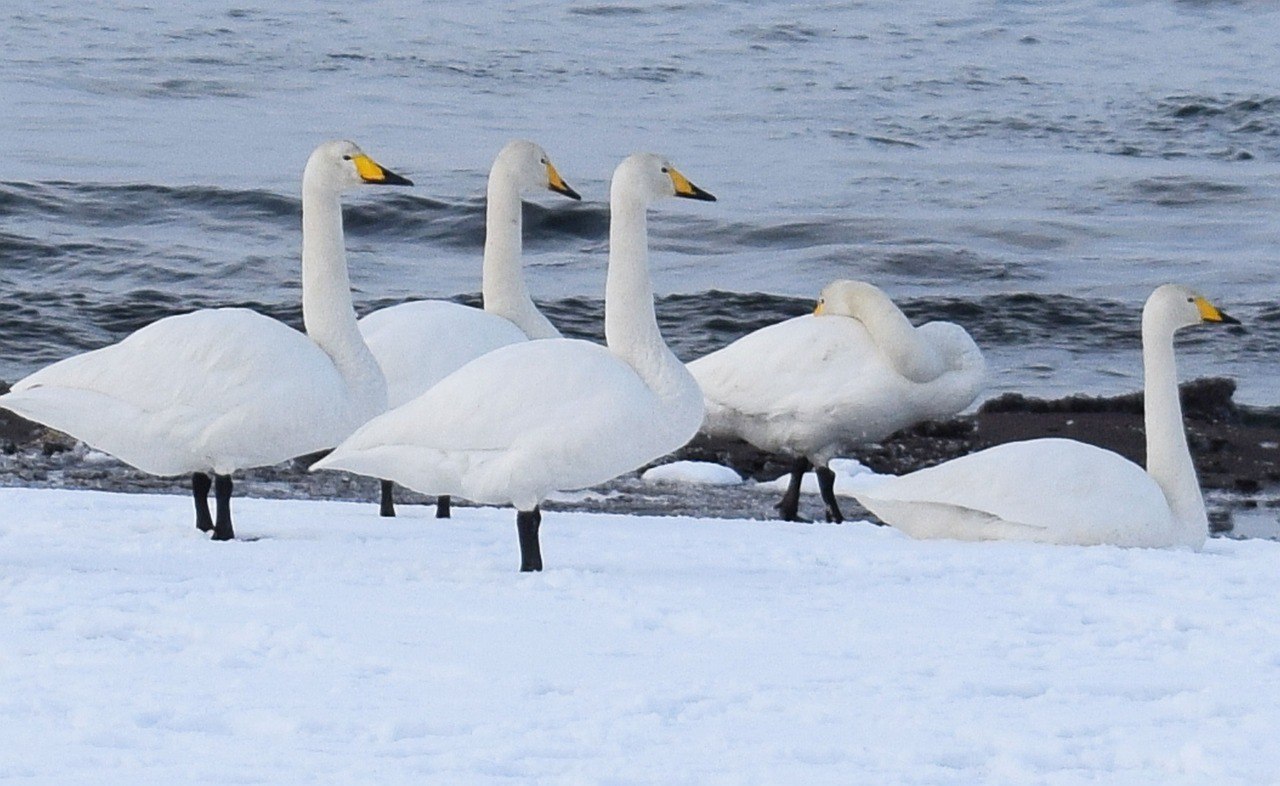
704,472
344,648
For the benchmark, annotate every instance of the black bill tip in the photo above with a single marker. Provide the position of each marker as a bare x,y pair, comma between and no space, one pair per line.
696,193
564,188
390,178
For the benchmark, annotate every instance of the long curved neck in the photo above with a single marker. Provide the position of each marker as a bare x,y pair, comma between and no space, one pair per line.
908,351
1168,458
502,284
327,313
630,326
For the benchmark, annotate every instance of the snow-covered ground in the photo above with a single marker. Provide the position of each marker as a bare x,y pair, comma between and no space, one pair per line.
344,648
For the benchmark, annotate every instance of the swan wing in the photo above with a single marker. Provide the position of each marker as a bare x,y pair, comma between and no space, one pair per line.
789,368
214,389
419,343
1057,489
812,384
517,423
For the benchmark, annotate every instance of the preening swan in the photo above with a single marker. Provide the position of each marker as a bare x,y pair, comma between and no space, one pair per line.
854,371
219,390
1063,491
418,343
530,418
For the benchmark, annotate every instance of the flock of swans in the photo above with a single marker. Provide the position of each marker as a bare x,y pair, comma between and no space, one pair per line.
495,406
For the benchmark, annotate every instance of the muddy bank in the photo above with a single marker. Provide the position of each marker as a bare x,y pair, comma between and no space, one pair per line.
1236,451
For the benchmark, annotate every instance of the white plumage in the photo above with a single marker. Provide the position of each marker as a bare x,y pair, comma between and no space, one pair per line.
219,390
421,342
211,391
854,373
520,422
536,417
1063,491
418,343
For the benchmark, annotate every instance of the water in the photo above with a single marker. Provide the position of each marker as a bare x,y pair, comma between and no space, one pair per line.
1028,170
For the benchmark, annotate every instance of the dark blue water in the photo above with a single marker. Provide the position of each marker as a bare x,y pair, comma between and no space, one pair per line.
1028,170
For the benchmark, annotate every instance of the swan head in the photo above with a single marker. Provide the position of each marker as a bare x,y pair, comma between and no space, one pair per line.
1174,307
649,177
341,165
849,298
531,168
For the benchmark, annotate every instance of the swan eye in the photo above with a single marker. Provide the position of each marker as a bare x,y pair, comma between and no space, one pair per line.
544,162
666,171
1191,300
346,158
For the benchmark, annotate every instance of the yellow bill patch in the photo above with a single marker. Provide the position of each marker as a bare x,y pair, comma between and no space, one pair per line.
682,184
369,170
818,309
553,177
1208,311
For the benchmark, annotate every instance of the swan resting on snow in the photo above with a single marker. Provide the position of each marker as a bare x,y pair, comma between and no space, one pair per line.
853,372
1064,491
419,343
540,416
218,390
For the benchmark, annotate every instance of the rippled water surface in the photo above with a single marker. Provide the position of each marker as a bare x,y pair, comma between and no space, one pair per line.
1030,170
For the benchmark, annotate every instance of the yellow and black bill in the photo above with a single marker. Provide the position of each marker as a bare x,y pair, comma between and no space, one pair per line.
686,189
375,174
557,184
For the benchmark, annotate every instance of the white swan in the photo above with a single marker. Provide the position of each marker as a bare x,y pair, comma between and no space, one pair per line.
535,417
1063,491
854,371
420,342
219,390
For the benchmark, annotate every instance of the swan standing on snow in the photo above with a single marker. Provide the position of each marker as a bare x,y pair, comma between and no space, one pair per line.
531,418
219,390
1063,491
418,343
854,371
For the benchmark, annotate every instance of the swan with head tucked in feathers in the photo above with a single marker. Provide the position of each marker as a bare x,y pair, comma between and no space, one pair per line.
531,418
1064,491
218,390
854,371
420,342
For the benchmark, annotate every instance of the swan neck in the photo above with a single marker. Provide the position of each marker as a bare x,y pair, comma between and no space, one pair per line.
630,325
327,312
1168,457
913,356
502,283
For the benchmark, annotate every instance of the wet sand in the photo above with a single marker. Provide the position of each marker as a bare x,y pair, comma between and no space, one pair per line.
1236,451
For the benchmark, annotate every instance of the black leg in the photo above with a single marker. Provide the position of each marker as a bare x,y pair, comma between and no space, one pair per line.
527,522
790,504
442,506
388,507
827,486
222,494
200,485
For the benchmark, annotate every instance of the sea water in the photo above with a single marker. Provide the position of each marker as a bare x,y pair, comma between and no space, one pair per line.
1028,170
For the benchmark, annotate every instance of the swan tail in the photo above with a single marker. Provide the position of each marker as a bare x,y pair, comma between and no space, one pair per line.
424,470
925,519
103,423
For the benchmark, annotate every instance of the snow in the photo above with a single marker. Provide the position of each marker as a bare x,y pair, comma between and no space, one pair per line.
702,472
344,648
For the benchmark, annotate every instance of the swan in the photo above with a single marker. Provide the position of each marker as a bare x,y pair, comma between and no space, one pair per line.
218,390
854,371
534,417
420,342
1064,491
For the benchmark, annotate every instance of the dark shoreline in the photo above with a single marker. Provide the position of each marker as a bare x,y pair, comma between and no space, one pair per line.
1236,451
